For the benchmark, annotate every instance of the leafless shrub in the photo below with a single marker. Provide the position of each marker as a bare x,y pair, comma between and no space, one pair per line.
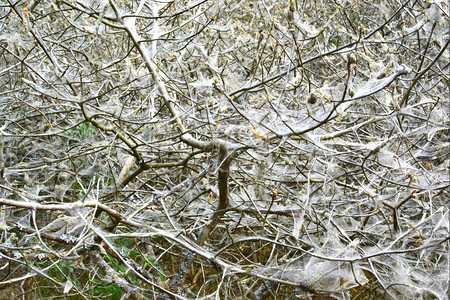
224,149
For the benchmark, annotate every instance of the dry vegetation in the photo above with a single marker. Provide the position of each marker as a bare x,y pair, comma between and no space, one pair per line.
224,149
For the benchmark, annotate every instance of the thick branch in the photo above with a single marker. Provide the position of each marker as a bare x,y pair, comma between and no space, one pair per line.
224,161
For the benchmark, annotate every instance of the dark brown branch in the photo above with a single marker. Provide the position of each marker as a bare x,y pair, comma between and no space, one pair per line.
224,161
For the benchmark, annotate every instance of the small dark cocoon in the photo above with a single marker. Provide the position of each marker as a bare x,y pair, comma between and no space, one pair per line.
312,99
